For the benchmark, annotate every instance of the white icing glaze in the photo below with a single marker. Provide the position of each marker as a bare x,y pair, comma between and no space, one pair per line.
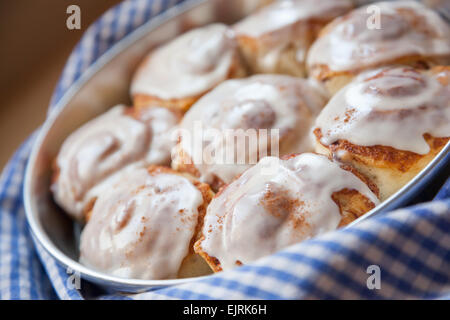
390,107
259,214
282,14
350,45
103,146
94,151
142,225
259,102
284,23
162,122
188,66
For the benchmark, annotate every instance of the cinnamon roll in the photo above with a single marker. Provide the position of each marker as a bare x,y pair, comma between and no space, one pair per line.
240,121
280,202
405,32
276,38
389,123
176,74
103,146
145,224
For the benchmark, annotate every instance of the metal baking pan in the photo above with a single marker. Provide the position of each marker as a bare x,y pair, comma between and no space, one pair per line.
105,84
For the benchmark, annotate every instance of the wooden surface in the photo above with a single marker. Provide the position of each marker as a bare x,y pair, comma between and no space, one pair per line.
35,44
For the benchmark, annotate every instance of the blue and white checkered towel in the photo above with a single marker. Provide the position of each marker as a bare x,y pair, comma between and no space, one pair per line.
401,254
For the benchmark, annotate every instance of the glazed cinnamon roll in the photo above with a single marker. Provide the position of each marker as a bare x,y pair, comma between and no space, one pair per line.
240,121
277,203
145,224
176,74
389,123
106,144
276,38
406,33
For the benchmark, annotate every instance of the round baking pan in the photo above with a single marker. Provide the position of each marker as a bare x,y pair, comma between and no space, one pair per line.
106,84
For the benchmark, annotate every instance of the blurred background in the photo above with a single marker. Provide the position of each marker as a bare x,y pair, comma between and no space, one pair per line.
35,44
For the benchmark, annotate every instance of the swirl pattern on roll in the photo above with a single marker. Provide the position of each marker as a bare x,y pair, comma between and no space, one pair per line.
142,226
277,203
355,41
103,146
267,102
391,106
189,65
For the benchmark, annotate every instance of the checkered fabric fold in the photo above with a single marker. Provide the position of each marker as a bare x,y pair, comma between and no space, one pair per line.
396,255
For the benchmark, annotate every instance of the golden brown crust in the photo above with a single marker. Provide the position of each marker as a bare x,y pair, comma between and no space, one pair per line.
352,205
336,80
442,74
389,168
213,262
192,265
289,156
137,112
88,209
383,156
143,101
372,186
183,163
